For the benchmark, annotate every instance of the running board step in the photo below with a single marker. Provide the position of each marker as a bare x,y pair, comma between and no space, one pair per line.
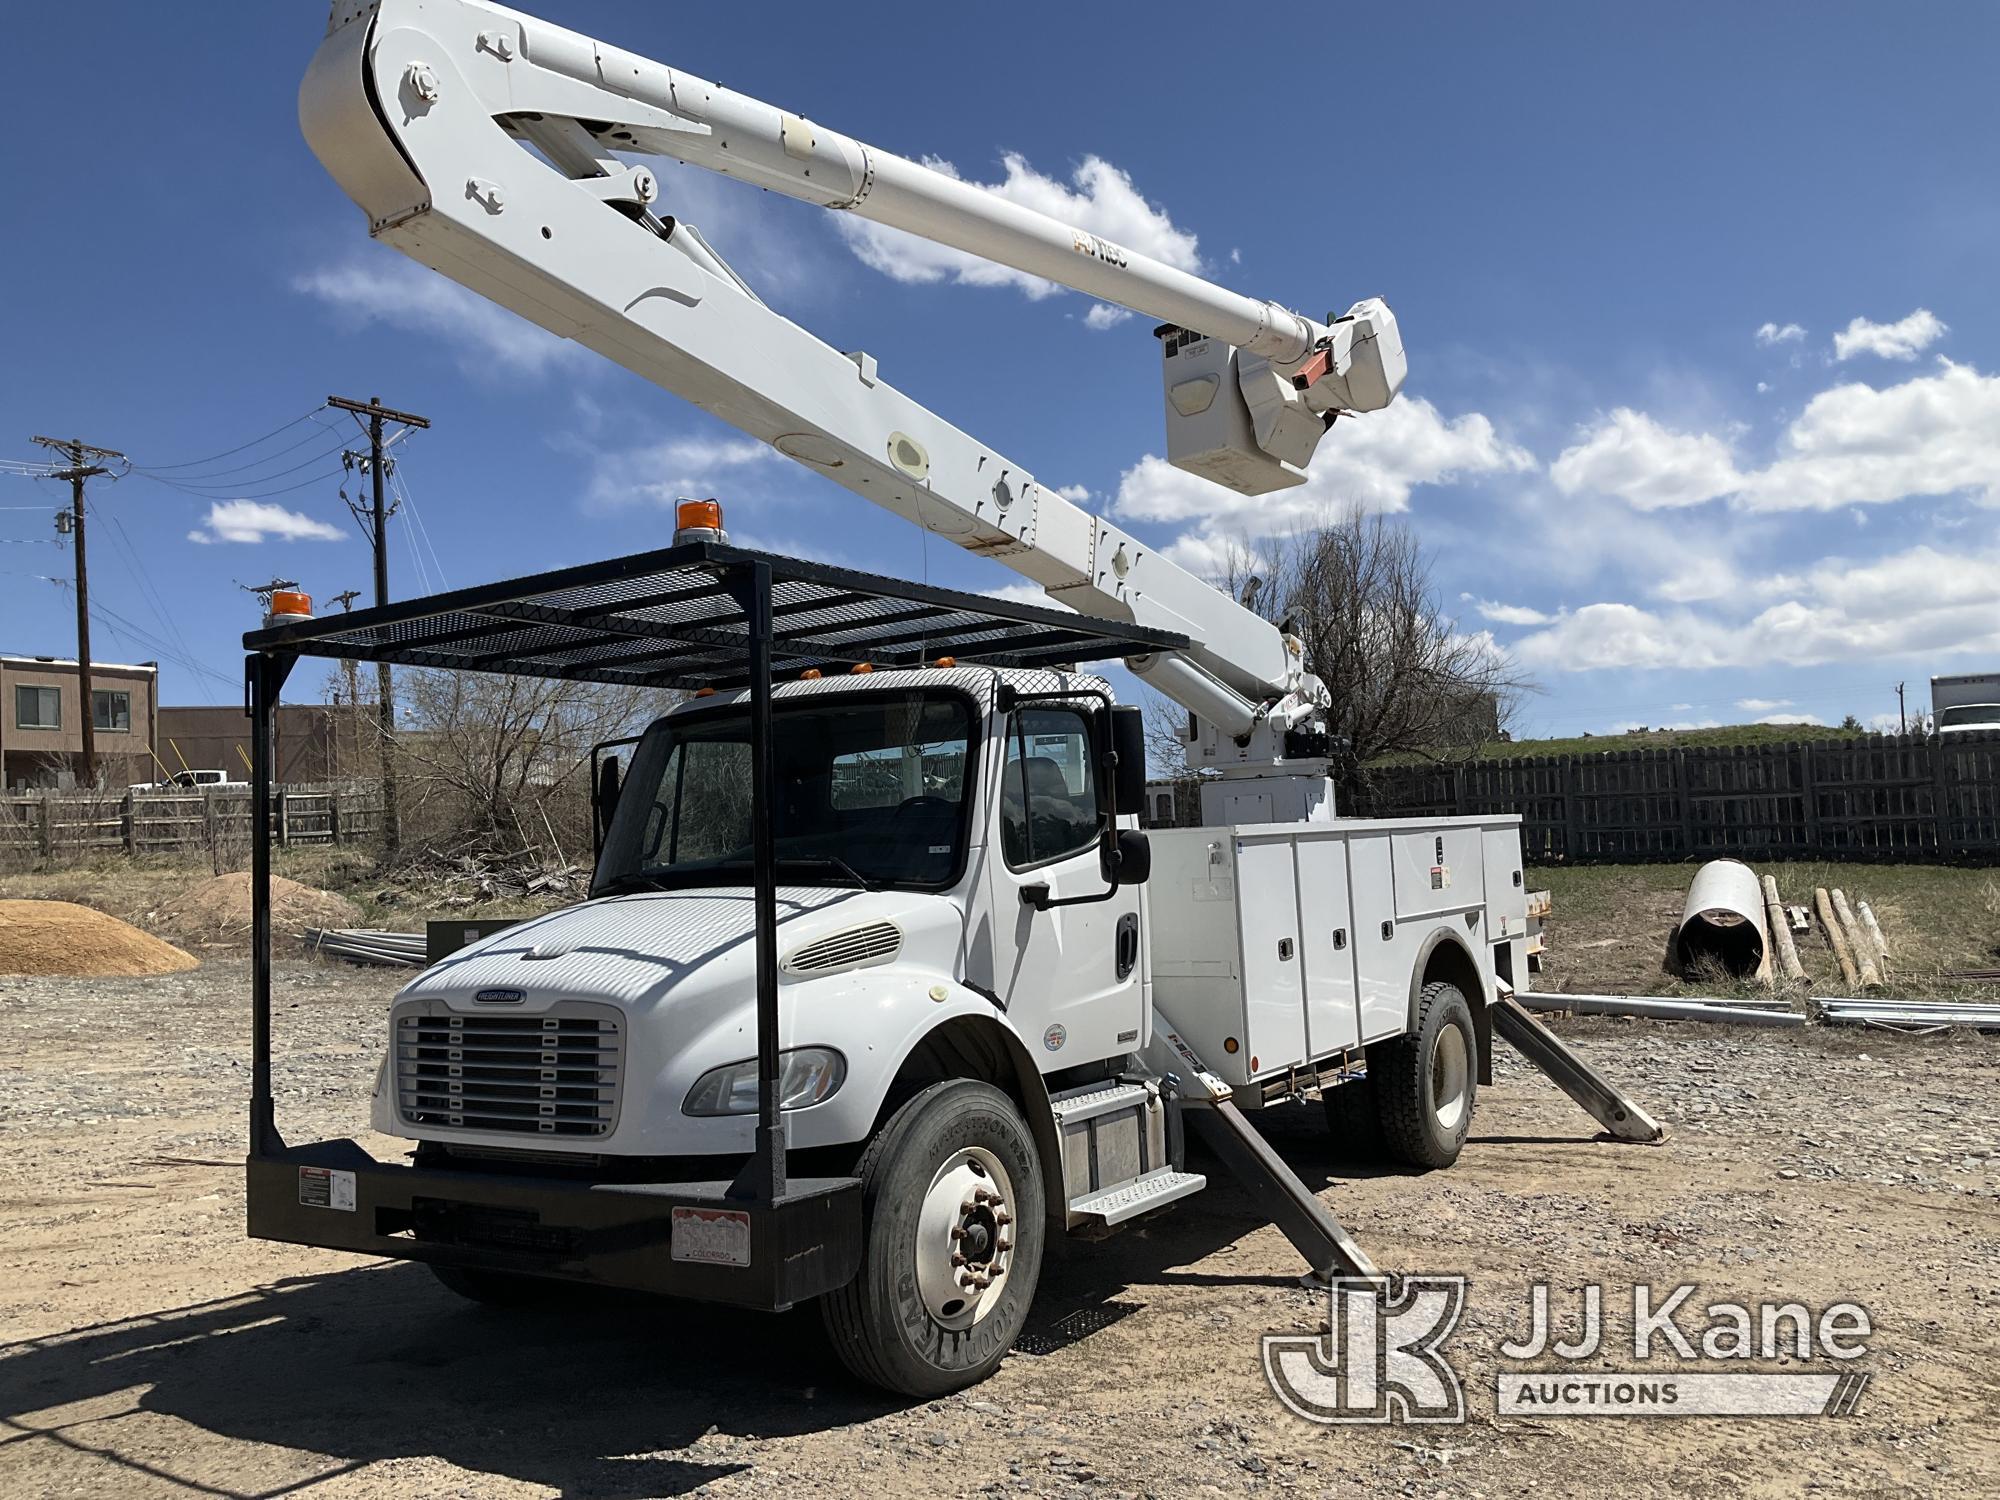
1072,1109
1600,1098
1130,1199
1276,1189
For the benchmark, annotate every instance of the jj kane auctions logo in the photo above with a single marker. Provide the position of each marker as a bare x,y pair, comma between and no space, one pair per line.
1382,1357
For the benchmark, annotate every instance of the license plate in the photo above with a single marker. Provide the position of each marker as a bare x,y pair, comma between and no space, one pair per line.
712,1236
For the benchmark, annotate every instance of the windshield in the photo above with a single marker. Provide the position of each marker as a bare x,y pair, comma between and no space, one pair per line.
870,792
1967,715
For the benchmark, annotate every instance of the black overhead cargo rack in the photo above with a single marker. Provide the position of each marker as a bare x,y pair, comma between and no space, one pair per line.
699,615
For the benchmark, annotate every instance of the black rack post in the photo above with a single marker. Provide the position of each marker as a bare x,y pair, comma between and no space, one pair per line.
266,677
764,1177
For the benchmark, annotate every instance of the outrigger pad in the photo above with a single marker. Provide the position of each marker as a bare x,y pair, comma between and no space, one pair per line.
1606,1104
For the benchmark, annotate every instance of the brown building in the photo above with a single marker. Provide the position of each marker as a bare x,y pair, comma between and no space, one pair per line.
41,721
314,742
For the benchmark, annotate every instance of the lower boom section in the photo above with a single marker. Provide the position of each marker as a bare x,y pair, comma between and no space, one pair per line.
681,1239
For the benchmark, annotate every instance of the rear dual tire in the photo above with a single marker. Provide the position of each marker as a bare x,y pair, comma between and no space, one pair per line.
1416,1104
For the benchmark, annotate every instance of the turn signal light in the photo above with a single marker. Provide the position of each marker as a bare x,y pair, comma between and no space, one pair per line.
288,602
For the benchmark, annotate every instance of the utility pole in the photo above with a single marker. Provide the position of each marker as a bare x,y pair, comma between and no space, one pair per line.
352,672
85,462
377,414
1901,717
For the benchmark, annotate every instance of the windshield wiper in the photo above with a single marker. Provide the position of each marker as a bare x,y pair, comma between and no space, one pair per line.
831,862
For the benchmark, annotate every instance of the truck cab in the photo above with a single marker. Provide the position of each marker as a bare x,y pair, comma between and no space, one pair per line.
947,843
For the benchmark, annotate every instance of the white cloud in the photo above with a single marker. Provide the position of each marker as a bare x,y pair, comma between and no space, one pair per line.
403,295
1763,387
1791,719
1934,434
1629,455
1103,315
1904,339
1099,197
1076,494
1762,705
691,468
1024,593
1918,603
1771,334
1370,462
1508,614
257,521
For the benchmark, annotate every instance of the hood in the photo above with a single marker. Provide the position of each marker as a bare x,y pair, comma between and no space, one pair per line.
634,948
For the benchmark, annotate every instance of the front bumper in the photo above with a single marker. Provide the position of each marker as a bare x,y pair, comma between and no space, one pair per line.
681,1239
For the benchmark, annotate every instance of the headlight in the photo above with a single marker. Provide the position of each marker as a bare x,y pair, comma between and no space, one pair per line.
806,1075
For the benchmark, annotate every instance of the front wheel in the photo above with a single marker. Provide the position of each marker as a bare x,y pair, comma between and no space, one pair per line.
1425,1082
952,1205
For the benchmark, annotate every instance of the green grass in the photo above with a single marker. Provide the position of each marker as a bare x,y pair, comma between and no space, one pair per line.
1610,926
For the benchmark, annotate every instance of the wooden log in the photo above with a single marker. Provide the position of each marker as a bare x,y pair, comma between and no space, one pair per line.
1781,931
1830,925
1857,942
1874,933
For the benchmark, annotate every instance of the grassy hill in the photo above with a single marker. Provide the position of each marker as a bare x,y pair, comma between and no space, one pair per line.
1657,739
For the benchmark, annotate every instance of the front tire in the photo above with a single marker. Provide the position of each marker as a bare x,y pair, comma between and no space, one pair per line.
952,1214
1425,1082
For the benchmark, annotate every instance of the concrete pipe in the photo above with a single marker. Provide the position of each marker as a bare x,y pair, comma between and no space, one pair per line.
1723,920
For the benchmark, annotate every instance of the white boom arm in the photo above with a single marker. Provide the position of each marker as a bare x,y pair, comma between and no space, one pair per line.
420,110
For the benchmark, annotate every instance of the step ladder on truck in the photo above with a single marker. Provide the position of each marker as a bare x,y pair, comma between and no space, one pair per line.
879,984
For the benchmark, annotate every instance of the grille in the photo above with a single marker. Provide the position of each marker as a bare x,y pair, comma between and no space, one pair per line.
871,943
552,1074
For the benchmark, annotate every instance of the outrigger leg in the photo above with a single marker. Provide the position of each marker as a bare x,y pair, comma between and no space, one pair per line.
1609,1106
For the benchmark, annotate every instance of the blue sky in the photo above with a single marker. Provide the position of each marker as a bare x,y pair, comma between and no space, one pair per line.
1703,419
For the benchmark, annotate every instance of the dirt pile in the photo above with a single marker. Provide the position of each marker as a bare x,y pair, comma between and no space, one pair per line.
216,913
59,938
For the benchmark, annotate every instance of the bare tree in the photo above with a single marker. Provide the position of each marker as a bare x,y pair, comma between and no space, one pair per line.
1403,678
504,762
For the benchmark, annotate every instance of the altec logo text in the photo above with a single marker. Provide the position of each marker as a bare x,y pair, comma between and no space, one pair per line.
1383,1357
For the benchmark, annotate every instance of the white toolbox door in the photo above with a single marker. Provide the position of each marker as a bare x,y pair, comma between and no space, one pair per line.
1273,990
1326,936
1381,964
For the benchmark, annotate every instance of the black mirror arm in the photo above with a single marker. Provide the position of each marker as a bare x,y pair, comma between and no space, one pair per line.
1037,896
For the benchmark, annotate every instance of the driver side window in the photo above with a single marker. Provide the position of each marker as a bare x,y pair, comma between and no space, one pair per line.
1048,794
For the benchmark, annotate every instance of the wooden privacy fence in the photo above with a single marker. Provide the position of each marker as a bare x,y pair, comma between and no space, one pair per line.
1877,797
37,826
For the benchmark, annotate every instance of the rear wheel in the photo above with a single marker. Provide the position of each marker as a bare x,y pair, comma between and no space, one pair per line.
1425,1082
952,1243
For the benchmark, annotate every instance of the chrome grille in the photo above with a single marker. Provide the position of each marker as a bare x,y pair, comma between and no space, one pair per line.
551,1074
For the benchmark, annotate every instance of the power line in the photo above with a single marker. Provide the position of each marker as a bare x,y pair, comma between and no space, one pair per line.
195,463
231,487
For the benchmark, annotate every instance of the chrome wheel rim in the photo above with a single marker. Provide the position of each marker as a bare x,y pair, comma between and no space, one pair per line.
1451,1078
965,1238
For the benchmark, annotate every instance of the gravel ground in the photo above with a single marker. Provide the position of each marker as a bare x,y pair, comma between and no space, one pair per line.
147,1347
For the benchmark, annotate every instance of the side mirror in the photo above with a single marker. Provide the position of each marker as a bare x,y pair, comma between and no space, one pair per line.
1128,741
1126,857
604,799
1135,857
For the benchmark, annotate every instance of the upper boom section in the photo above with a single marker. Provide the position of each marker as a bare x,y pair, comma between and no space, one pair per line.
420,110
